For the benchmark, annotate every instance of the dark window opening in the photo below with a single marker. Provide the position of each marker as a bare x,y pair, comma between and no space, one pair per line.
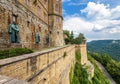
45,31
28,23
50,32
40,29
57,32
14,18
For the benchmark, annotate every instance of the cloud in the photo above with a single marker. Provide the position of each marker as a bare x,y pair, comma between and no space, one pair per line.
96,11
115,12
76,4
77,24
102,22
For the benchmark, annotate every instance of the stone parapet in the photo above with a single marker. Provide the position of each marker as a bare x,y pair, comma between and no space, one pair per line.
45,67
9,80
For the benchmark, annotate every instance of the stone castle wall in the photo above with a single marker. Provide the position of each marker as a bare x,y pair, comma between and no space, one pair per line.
27,21
83,52
30,18
45,67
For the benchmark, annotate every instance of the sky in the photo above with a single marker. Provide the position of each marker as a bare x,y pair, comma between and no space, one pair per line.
96,19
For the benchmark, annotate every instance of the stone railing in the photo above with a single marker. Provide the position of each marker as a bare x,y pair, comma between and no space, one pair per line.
9,80
46,67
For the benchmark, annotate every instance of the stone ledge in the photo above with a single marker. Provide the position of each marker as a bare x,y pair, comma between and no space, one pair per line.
9,80
26,56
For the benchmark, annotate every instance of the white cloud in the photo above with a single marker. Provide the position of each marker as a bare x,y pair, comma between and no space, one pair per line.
102,22
76,4
115,12
77,25
96,11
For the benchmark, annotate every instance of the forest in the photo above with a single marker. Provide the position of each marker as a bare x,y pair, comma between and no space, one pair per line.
112,66
111,47
78,74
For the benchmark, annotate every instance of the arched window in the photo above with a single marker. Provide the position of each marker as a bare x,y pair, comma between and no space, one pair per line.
56,7
45,1
45,15
57,19
39,10
14,18
39,28
28,2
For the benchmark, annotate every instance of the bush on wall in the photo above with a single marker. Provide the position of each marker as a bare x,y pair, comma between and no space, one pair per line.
14,52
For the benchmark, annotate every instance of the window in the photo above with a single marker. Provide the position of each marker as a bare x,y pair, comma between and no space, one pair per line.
9,20
56,8
14,18
28,2
50,32
39,28
45,15
38,9
57,20
45,1
28,23
46,31
58,32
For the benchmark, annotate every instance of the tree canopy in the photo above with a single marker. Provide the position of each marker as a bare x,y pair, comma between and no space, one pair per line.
69,37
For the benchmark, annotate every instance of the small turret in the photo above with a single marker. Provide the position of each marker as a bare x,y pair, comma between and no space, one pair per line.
55,23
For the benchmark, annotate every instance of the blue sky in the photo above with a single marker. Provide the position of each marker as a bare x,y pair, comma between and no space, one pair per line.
97,19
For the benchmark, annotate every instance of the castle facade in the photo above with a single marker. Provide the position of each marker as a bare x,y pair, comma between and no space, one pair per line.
31,16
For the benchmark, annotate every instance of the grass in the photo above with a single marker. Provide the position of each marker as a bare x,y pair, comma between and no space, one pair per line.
14,52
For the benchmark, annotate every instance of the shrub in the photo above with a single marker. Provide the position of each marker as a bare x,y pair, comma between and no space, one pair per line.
79,75
14,52
112,66
98,78
65,54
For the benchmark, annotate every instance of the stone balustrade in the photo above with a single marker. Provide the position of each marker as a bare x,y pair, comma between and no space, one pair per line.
45,67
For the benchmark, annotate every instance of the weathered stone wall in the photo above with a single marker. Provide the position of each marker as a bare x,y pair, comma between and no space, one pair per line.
30,18
55,22
45,67
83,51
10,80
28,22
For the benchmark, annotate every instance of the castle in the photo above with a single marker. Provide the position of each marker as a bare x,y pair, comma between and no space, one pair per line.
44,19
31,16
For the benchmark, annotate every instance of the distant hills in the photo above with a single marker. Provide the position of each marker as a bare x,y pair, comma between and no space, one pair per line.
111,47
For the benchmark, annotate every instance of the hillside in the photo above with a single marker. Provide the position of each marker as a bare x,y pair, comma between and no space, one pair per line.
111,47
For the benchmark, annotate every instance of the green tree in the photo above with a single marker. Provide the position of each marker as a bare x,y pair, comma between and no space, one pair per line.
79,39
69,38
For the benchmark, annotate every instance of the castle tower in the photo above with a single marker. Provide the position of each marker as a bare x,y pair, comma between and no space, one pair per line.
83,52
55,23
